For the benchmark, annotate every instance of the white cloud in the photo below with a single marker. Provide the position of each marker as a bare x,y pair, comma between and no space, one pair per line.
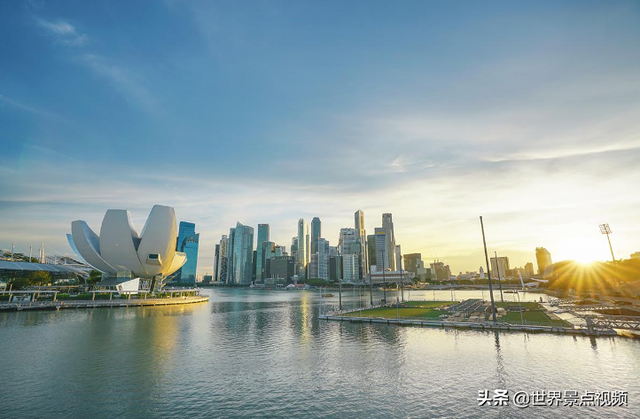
64,32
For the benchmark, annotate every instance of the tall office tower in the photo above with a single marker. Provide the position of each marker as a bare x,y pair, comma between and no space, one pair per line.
187,242
242,255
264,233
382,259
323,258
216,261
303,248
280,251
528,269
220,273
350,267
349,241
543,257
313,266
502,264
387,224
413,263
230,261
316,232
398,258
359,225
371,250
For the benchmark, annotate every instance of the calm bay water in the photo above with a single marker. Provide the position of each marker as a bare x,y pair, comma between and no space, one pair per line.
250,353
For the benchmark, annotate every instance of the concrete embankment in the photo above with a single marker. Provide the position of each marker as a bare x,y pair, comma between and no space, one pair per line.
57,305
475,326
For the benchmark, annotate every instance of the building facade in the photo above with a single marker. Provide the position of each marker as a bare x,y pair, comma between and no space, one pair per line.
187,242
543,257
241,267
264,235
362,235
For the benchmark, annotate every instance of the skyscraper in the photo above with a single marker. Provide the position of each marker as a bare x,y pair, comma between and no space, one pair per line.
220,271
187,242
371,250
390,252
499,266
350,266
382,259
242,255
349,241
398,252
303,248
543,257
359,225
323,259
264,233
316,233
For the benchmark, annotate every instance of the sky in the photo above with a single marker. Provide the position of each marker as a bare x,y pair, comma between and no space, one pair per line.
527,113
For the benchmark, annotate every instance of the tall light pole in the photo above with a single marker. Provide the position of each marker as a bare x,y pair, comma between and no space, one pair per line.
605,229
370,287
486,257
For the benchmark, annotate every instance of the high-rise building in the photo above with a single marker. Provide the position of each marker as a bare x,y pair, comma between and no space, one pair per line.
280,251
266,252
528,269
220,270
371,250
303,249
316,233
241,257
349,241
216,260
501,264
335,267
413,263
264,233
187,242
280,267
362,234
398,251
387,224
323,254
382,260
543,257
350,267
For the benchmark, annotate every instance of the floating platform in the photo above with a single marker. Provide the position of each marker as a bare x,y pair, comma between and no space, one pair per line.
474,325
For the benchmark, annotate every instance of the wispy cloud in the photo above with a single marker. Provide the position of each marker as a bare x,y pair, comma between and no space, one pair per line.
127,81
9,101
63,31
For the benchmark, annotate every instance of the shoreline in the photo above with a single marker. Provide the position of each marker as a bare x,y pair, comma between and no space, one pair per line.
66,304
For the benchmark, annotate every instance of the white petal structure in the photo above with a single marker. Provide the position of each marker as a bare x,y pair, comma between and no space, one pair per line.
119,248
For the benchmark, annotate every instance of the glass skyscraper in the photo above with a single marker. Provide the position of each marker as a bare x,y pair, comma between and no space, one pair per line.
240,269
264,233
187,242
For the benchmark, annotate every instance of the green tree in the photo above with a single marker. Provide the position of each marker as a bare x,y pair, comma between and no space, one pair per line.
39,278
94,277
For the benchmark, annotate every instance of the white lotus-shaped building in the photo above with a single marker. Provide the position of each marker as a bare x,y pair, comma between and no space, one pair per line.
119,248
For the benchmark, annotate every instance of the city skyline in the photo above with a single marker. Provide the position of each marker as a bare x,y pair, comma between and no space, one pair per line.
269,114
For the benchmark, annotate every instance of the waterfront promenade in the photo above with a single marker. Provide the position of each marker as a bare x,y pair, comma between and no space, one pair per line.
119,302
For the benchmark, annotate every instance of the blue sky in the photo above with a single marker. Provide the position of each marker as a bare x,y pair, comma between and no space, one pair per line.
525,112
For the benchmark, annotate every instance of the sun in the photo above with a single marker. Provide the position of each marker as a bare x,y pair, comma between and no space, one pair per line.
582,250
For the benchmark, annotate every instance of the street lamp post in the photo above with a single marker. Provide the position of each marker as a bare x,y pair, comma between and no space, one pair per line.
520,304
605,229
